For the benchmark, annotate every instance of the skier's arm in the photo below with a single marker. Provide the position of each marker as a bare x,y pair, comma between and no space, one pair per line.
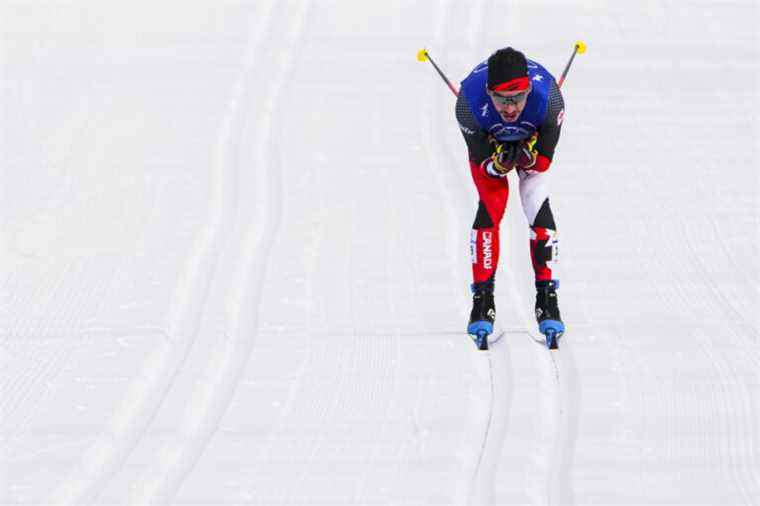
548,132
478,146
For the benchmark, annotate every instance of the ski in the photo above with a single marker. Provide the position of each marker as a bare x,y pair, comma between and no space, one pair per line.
552,339
483,340
552,330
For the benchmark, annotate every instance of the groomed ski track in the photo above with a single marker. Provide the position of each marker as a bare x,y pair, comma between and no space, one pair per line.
235,259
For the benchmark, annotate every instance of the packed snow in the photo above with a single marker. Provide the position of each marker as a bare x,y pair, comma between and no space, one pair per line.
235,257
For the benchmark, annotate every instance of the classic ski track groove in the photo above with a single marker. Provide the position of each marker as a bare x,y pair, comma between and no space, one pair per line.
430,122
485,457
492,429
146,395
210,400
475,494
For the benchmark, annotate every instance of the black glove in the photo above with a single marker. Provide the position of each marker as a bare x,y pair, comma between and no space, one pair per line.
526,157
511,155
503,159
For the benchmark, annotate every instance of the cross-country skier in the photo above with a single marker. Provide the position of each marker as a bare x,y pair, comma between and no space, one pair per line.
510,110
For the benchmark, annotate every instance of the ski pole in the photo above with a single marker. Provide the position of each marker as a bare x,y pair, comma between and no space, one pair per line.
423,55
579,48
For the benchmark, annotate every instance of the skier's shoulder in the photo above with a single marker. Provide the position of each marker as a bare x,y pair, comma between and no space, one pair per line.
474,84
541,80
473,88
545,98
535,68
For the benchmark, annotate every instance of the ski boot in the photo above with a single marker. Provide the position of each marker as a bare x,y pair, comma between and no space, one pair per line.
483,314
547,312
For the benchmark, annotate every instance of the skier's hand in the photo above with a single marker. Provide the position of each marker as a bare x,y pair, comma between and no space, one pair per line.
526,155
503,159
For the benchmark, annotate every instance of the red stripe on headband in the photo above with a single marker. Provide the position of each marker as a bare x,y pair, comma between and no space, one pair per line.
517,84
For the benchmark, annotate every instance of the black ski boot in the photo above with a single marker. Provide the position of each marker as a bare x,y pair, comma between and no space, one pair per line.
547,312
483,313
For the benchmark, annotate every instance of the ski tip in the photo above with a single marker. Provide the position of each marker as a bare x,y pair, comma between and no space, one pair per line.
480,330
481,340
552,331
552,340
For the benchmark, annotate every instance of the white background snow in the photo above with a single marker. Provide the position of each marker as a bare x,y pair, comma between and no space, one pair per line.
235,257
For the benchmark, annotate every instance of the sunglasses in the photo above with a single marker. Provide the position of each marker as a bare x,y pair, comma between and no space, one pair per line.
512,99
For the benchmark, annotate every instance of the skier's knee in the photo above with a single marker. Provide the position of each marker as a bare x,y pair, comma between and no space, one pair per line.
482,218
544,217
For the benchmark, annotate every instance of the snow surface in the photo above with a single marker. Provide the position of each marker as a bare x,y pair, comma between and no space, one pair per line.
235,257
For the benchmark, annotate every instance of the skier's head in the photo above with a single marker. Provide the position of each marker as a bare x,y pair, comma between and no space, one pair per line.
508,82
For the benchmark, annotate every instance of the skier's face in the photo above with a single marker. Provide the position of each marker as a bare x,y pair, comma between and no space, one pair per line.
509,105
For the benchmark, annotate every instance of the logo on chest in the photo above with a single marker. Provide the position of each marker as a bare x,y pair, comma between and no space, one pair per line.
511,132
